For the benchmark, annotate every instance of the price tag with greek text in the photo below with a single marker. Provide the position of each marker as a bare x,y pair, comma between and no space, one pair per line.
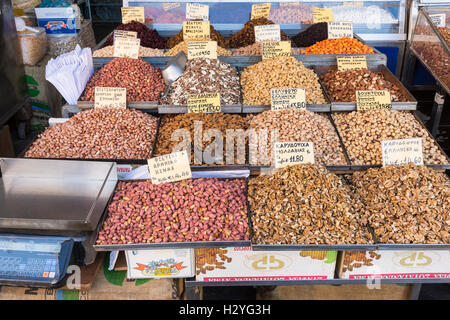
374,99
196,30
438,19
202,49
351,62
110,97
289,4
292,153
170,5
271,49
204,102
402,151
353,4
270,32
127,47
133,13
322,15
285,98
170,167
197,11
260,10
340,29
124,34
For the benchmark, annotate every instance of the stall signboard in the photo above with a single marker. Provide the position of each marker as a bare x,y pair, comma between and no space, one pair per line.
351,62
271,49
124,34
438,19
196,30
197,11
270,32
167,6
204,103
340,29
285,98
127,47
373,99
260,10
322,15
202,49
110,97
133,13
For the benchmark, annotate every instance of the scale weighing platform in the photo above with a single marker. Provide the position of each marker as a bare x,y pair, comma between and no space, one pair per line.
49,215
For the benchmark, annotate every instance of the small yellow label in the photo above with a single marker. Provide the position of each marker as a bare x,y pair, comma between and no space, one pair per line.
196,30
289,4
322,15
270,32
351,62
124,34
170,5
271,49
170,167
402,151
110,97
286,98
197,11
204,103
260,10
202,49
340,29
126,47
375,99
133,13
292,153
353,4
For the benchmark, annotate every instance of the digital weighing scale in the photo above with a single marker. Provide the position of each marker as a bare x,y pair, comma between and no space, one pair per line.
49,214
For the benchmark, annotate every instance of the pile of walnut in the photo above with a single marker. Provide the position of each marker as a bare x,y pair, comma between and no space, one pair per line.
363,131
406,204
305,204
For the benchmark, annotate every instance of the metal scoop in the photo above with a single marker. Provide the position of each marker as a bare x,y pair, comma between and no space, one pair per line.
173,70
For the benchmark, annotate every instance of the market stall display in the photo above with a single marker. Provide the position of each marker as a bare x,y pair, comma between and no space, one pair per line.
199,125
305,204
363,131
297,125
193,210
258,79
101,133
142,81
203,75
406,204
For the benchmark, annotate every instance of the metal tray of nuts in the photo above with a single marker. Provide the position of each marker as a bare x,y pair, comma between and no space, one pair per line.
360,167
410,105
174,245
117,161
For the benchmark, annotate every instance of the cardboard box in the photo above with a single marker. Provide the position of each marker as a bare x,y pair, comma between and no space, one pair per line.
169,263
243,264
387,264
56,20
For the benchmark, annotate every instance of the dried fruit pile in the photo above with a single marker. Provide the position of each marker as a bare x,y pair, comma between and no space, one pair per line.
279,72
298,125
205,121
204,75
339,46
102,133
143,81
342,85
305,204
363,131
205,209
406,204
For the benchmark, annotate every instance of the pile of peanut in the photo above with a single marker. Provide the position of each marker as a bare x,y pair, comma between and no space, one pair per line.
101,133
143,81
203,75
205,209
183,46
279,72
363,131
108,51
342,85
298,125
406,204
197,126
305,204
